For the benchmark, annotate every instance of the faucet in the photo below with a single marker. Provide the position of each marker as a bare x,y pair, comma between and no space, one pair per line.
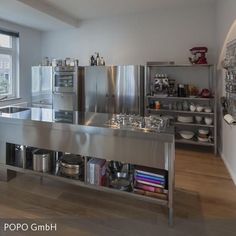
2,98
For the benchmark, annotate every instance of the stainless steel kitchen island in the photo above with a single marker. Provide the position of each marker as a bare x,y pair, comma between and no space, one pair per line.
89,135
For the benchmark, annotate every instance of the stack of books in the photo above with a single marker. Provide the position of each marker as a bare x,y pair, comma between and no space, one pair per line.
151,182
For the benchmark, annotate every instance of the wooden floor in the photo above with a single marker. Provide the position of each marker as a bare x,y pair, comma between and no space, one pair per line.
205,204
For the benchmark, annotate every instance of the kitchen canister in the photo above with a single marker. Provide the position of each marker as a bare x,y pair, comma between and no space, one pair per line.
42,160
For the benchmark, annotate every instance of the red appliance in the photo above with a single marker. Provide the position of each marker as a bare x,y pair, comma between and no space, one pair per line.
199,55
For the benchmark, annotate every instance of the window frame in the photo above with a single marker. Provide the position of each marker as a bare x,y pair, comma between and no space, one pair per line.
12,51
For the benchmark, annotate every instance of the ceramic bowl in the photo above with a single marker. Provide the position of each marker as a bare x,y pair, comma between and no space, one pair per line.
186,134
202,139
203,131
203,136
208,109
198,119
200,108
192,108
208,120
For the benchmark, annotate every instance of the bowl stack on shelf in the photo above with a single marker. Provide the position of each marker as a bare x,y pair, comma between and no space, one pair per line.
203,135
150,182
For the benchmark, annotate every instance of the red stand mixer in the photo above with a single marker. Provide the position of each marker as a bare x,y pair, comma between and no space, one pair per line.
199,55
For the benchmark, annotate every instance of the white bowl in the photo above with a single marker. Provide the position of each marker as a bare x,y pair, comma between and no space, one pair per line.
200,108
186,134
203,131
198,119
202,139
208,120
208,110
185,119
192,108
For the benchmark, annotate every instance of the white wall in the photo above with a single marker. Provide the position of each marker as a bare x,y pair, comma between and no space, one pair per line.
30,54
226,31
166,34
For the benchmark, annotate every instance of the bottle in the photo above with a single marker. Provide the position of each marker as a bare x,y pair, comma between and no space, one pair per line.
102,61
92,61
157,105
181,90
98,59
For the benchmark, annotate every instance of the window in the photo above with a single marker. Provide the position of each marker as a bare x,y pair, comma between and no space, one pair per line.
9,61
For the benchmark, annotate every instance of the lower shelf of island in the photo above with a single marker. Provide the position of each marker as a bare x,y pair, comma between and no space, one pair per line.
83,184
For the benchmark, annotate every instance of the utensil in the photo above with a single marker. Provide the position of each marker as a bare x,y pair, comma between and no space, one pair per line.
121,181
115,166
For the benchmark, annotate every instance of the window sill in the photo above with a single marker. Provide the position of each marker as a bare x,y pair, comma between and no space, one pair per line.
10,99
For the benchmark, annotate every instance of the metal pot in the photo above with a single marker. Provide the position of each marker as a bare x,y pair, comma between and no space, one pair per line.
121,181
42,160
71,165
20,156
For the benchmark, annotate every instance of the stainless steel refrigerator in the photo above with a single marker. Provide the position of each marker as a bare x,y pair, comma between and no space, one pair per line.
114,89
41,86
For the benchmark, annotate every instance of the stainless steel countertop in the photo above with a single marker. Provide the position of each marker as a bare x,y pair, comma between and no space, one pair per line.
86,121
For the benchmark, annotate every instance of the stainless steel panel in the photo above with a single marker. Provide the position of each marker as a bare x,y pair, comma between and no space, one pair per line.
114,89
64,101
41,88
102,93
126,89
115,82
96,89
88,138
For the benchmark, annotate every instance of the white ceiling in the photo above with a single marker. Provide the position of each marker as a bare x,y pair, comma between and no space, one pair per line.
87,9
59,14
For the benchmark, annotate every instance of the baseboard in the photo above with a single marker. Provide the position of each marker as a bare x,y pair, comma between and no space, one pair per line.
232,174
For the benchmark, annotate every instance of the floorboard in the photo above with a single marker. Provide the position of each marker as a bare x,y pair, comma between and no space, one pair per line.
205,204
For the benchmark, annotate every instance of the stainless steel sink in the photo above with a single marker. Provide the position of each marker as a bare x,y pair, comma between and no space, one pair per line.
10,110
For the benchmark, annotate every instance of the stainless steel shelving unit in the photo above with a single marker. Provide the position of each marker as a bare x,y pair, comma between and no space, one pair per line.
212,101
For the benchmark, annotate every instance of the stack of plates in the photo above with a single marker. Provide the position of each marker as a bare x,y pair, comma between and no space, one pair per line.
185,119
203,135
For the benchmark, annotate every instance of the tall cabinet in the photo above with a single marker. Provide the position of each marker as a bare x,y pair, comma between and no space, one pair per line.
114,89
186,120
41,86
